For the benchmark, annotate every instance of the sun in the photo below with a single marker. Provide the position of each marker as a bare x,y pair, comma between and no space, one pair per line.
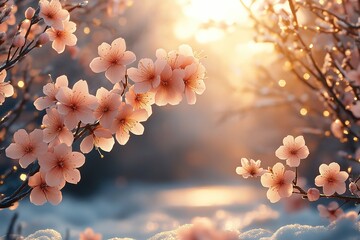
209,20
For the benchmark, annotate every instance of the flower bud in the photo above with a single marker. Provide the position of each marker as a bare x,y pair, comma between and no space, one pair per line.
353,188
313,194
43,39
18,41
29,13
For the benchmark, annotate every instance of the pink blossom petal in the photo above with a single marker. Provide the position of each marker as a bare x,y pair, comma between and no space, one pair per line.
14,151
77,159
53,195
54,177
115,73
128,58
273,195
87,144
98,65
104,49
37,196
106,144
72,176
26,160
288,140
138,129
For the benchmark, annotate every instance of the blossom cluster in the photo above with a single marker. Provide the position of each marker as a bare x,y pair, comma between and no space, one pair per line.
74,113
282,183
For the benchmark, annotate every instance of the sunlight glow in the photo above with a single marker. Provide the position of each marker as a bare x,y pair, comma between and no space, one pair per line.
208,20
209,196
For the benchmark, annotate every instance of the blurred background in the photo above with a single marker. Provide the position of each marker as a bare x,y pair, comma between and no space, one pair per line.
183,165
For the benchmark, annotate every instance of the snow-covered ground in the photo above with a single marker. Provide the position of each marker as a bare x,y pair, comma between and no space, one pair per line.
141,211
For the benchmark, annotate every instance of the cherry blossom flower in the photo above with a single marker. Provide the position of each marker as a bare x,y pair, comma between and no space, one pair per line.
128,120
313,194
41,192
293,150
331,212
76,104
107,109
113,60
194,81
177,59
147,75
61,165
100,138
53,13
50,90
279,182
27,147
331,179
6,89
63,37
89,234
140,100
171,87
54,128
250,168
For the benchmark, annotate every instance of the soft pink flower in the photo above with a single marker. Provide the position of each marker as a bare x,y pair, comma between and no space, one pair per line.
313,194
250,168
177,59
63,37
147,75
54,128
27,147
171,87
53,13
113,60
279,182
331,179
50,90
293,150
128,120
100,138
107,109
331,212
11,20
194,81
41,192
140,100
76,104
6,89
89,234
61,165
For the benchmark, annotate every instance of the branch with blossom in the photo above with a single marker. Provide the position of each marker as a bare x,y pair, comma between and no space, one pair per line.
73,113
283,183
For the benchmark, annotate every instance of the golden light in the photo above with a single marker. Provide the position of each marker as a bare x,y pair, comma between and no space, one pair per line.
306,76
87,30
303,111
21,84
282,83
209,196
326,113
23,177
